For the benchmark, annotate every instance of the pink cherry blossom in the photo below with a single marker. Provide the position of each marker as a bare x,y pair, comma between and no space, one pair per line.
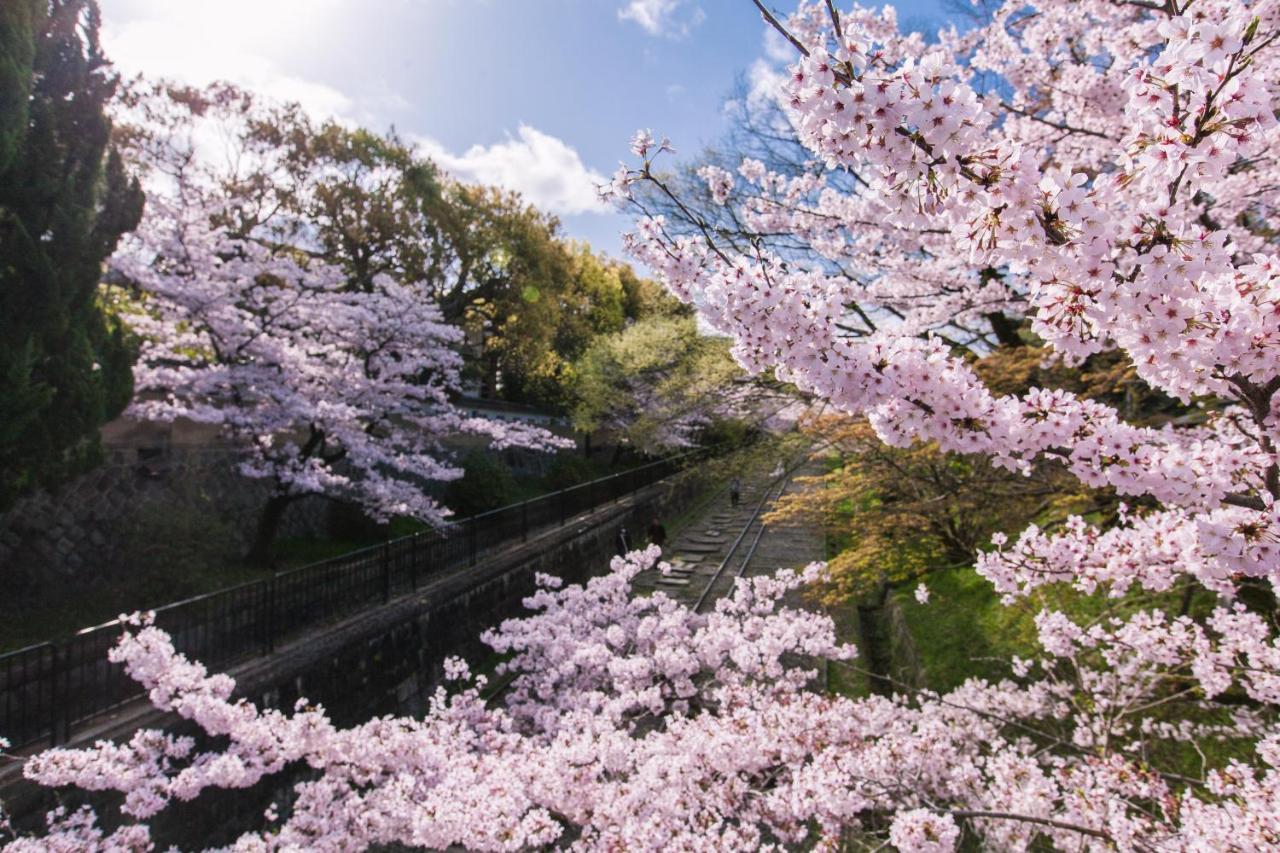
327,388
1104,172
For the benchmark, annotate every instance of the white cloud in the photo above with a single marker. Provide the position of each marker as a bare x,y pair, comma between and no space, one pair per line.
777,48
672,18
764,82
543,168
258,44
241,41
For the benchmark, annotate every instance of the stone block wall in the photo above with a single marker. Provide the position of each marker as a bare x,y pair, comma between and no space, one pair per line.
93,527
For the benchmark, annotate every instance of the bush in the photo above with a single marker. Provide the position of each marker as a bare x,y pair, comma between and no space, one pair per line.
728,434
568,470
487,483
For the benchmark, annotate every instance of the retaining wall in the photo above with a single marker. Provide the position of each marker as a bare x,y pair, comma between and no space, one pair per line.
101,524
387,660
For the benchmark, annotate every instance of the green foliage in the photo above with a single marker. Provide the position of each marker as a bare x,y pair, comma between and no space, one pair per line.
486,483
964,631
655,383
568,470
729,433
530,300
900,513
644,298
65,200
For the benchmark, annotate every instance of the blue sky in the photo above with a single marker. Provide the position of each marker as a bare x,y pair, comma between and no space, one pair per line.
540,96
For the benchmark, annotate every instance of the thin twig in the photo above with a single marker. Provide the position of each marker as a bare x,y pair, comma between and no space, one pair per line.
773,22
1058,824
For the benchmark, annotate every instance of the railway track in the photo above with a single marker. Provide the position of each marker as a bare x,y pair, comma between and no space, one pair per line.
726,574
724,544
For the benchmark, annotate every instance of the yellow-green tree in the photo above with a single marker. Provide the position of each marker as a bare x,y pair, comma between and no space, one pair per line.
896,514
530,300
657,383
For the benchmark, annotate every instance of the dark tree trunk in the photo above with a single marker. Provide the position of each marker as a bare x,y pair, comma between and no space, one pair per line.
268,525
489,382
1005,329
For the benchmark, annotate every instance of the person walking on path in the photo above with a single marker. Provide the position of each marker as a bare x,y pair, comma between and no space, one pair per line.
657,534
735,491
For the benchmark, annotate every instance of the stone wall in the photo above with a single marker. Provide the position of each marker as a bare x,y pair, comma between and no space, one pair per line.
887,646
171,484
160,483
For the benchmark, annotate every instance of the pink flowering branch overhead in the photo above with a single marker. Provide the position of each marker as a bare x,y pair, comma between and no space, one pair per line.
1094,169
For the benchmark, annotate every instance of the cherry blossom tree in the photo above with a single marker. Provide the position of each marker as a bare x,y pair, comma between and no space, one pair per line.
332,386
1152,242
1102,169
633,722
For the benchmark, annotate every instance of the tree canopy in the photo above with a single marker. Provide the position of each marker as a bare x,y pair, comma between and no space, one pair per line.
369,204
657,383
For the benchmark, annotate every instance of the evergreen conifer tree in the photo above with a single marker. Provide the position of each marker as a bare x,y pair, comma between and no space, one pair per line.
65,200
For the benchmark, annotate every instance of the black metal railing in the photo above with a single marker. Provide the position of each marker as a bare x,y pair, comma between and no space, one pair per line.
51,689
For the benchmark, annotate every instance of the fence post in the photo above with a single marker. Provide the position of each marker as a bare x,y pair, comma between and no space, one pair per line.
271,613
386,572
524,522
564,510
413,561
471,525
55,702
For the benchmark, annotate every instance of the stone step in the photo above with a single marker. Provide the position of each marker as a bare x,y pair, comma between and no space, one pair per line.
700,548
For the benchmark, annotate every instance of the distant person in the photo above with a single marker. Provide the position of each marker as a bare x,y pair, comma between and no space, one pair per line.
735,491
657,534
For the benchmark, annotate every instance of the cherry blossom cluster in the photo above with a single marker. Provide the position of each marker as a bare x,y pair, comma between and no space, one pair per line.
330,391
1100,170
329,388
1104,173
1152,551
633,658
637,723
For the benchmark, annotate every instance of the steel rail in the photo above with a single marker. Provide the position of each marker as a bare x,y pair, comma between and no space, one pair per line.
755,515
